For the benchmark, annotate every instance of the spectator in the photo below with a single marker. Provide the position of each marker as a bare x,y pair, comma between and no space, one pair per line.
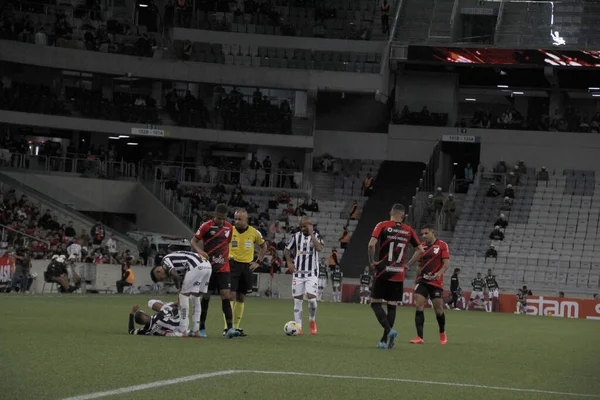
127,276
438,201
522,168
450,212
313,206
264,215
144,249
385,17
344,239
97,233
354,211
491,251
469,173
41,38
543,175
561,295
84,237
22,277
267,165
512,178
169,15
74,249
57,272
368,185
506,204
518,174
497,234
501,222
430,207
509,191
70,231
113,253
274,229
333,259
492,191
500,168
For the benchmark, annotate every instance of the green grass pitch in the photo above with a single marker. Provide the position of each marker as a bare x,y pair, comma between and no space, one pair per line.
55,347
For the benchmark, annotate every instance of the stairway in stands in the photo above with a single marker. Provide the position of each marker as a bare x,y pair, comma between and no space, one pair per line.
396,183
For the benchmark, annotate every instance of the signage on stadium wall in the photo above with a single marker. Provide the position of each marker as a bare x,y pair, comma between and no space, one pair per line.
536,305
149,132
494,56
7,267
461,138
479,11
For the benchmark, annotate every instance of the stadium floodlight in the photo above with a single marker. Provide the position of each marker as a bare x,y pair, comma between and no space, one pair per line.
518,93
132,144
114,137
503,86
123,137
470,99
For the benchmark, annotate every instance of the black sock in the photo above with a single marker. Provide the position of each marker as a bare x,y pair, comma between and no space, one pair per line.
419,322
382,318
391,315
204,312
228,313
441,319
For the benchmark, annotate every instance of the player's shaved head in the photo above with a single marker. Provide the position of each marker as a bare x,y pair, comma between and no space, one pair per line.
397,212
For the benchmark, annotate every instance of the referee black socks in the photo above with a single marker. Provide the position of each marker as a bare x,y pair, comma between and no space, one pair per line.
419,322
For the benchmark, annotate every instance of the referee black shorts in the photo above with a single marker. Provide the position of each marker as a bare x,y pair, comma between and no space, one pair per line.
387,290
241,277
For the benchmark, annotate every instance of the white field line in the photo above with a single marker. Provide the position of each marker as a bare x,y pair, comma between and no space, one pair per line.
191,378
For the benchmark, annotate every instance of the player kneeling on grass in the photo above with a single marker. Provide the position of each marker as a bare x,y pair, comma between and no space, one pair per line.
522,300
164,323
430,283
190,273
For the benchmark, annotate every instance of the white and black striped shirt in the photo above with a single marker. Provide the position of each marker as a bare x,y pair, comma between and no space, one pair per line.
183,261
165,321
306,256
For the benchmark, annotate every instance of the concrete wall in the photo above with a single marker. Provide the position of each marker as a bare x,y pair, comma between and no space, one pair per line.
290,42
174,132
174,70
87,194
351,144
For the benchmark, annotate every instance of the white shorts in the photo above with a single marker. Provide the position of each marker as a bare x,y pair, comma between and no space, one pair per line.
493,293
322,283
364,289
476,295
336,285
196,279
302,286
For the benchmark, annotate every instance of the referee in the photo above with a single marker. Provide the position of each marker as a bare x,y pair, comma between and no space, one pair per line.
243,263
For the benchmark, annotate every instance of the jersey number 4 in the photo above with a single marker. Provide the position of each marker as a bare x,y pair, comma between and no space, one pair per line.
402,246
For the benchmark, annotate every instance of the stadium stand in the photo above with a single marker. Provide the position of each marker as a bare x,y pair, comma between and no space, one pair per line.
551,234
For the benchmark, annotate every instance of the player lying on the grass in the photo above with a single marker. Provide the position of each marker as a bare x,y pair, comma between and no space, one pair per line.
393,237
430,282
190,273
164,323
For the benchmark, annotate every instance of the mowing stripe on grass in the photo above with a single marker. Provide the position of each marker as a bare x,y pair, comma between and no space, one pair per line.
191,378
136,388
467,385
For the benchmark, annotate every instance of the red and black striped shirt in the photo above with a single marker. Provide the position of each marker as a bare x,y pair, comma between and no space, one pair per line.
216,240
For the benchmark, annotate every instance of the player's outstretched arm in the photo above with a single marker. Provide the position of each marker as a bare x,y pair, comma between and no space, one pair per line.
197,246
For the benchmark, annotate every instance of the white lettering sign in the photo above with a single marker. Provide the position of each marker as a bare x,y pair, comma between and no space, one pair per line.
563,308
147,132
459,138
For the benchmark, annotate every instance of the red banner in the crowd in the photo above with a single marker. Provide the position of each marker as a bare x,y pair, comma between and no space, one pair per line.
536,305
7,268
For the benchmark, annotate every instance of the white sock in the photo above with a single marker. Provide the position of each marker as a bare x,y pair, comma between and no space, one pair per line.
298,311
184,305
312,309
367,298
320,294
196,311
362,299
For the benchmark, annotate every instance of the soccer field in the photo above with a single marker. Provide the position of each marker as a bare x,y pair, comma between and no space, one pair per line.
57,347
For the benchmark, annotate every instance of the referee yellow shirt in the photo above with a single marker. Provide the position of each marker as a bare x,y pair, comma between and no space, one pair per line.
241,248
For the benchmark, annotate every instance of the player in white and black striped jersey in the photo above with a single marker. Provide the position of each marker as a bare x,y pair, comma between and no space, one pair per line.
164,323
304,246
191,274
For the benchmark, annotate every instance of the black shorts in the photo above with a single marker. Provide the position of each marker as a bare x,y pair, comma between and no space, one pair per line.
387,290
429,291
241,277
219,281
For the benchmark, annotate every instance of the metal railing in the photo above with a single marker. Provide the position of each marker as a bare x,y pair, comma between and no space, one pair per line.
79,164
4,229
499,20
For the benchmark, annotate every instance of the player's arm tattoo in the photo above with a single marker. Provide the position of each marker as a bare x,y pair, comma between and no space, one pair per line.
176,279
316,242
371,251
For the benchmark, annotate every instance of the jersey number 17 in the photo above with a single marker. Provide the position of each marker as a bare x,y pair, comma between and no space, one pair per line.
402,246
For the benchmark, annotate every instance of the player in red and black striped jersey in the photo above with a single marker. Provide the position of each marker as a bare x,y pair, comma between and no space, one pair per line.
393,237
430,282
212,242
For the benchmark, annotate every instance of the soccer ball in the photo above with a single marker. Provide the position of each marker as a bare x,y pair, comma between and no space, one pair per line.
291,328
